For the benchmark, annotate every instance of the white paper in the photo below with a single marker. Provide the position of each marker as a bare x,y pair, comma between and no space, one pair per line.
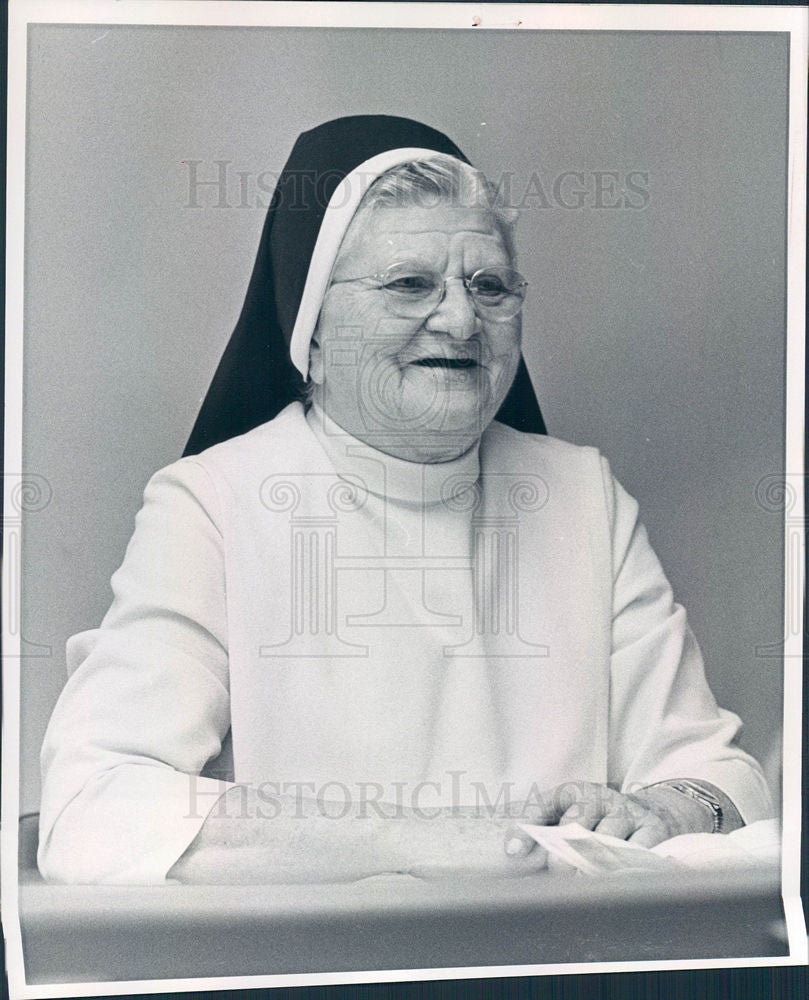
754,846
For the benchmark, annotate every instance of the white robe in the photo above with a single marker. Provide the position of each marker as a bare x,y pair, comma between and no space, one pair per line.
300,611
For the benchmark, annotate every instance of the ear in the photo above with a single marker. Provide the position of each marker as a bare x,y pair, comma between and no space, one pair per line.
316,359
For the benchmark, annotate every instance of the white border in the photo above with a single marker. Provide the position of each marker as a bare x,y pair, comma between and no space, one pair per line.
486,16
521,17
795,461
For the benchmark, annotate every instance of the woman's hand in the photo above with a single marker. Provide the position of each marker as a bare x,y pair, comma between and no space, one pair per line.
461,841
250,838
646,817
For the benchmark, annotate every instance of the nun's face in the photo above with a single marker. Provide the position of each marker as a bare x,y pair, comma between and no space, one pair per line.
424,387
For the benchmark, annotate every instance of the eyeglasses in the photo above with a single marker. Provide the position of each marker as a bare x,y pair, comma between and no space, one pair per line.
412,291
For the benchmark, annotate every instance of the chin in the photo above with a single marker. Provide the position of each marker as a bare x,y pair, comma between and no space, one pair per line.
459,409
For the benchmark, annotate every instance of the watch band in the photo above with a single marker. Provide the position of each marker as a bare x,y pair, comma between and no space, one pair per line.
700,794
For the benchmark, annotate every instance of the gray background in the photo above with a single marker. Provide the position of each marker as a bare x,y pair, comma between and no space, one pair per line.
656,334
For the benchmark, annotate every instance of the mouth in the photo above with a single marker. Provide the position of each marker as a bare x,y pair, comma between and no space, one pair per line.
438,362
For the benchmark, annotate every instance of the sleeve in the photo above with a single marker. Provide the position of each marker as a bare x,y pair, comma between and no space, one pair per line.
664,721
146,704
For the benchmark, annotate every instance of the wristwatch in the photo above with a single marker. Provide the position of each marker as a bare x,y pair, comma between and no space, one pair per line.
701,794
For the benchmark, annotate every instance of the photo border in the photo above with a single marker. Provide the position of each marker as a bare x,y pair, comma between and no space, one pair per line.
391,16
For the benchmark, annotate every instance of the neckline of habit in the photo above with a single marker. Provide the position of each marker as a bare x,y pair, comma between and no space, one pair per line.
391,478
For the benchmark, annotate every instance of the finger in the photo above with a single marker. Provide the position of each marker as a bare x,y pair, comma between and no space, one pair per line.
572,795
580,813
538,858
539,811
648,835
620,825
517,843
590,807
533,862
547,808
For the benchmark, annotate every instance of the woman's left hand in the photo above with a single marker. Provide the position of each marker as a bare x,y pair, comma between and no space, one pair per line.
646,817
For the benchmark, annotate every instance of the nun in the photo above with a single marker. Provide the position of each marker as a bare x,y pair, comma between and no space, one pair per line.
375,617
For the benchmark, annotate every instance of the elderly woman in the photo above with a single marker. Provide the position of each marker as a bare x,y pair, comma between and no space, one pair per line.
376,617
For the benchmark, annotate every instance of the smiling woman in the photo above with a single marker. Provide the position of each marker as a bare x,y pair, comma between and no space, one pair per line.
373,630
434,294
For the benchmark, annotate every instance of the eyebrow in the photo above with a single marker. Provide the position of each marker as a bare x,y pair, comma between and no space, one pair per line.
492,231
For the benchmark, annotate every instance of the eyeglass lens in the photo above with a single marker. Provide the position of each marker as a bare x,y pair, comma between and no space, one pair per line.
497,292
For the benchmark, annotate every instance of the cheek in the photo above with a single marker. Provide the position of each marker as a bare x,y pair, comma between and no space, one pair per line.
365,357
358,320
503,341
386,339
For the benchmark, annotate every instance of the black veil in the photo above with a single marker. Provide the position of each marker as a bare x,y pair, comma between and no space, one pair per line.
256,378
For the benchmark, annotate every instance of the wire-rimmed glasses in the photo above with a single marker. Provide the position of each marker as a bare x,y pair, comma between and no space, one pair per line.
414,291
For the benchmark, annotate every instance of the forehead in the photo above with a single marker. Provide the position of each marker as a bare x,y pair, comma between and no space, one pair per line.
383,232
448,220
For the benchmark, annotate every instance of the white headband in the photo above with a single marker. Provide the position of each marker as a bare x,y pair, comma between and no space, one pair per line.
339,213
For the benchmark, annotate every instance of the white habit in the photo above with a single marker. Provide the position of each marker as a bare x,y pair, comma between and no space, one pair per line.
299,609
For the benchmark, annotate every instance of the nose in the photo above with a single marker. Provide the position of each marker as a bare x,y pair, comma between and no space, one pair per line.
455,314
